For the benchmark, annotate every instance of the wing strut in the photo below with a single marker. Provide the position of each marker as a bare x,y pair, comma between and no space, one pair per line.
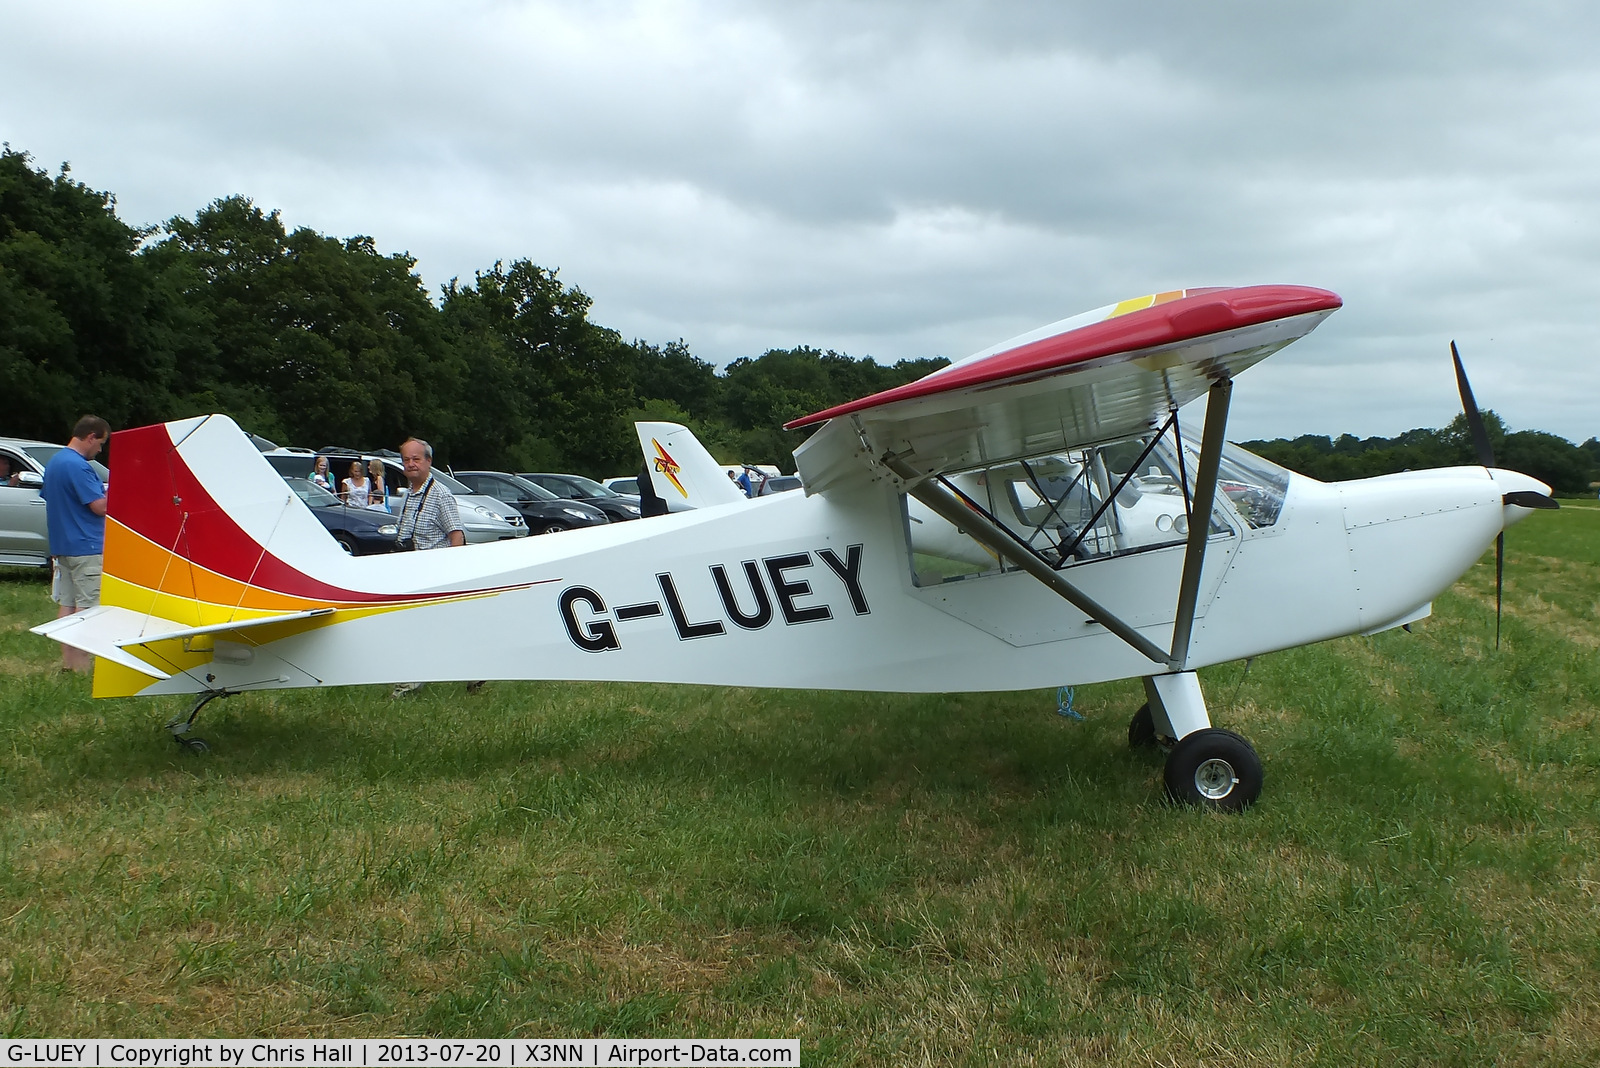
1005,544
1205,491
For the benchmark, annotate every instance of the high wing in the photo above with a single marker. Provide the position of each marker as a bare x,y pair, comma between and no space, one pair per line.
1103,375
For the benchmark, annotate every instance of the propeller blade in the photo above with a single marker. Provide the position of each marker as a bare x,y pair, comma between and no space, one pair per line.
1469,408
1529,499
1499,581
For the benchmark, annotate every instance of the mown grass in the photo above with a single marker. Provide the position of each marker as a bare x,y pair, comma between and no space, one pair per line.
955,879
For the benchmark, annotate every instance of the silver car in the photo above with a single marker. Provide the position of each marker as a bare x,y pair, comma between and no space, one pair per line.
24,541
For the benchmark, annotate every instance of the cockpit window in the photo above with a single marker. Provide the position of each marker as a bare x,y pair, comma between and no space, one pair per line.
1069,508
1255,487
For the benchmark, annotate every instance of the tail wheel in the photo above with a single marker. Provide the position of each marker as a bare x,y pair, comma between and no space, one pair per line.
1214,768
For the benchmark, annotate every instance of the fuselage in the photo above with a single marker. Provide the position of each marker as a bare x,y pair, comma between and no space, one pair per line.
823,591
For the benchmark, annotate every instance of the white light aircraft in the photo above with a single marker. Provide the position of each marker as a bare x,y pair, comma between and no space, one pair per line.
1027,517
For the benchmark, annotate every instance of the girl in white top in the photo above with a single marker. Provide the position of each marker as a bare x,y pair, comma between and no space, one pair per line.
357,487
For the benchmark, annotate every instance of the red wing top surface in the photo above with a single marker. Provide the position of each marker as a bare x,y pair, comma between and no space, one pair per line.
1108,373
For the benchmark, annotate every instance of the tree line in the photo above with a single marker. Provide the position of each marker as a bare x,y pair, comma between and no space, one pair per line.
314,340
1566,468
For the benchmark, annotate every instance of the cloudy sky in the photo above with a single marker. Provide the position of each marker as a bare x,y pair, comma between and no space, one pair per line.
902,179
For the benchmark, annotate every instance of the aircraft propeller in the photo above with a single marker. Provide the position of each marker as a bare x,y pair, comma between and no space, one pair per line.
1485,451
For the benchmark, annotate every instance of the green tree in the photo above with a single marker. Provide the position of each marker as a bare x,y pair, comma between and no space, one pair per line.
83,325
760,395
299,336
1565,467
539,384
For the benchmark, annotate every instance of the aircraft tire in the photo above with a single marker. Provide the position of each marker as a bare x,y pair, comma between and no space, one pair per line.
1142,729
1214,768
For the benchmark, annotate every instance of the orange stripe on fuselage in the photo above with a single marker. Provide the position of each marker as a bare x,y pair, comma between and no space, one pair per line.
140,562
143,577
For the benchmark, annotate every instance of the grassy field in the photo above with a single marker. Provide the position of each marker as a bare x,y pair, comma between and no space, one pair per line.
966,879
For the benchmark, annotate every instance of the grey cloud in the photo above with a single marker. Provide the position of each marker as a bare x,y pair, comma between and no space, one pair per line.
903,179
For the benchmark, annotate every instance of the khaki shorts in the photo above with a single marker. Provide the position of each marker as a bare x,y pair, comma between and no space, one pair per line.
77,581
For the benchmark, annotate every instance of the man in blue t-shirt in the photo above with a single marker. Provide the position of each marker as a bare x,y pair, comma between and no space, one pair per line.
75,516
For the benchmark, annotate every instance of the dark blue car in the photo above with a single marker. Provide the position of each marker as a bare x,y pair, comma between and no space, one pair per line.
359,531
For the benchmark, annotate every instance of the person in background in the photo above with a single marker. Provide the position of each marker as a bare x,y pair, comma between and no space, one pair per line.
8,477
428,520
379,494
650,503
75,520
320,476
355,489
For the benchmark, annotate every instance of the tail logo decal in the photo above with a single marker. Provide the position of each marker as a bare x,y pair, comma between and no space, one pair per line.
669,467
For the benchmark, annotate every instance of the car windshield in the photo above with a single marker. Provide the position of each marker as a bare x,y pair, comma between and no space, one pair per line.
312,494
590,487
42,453
452,484
528,489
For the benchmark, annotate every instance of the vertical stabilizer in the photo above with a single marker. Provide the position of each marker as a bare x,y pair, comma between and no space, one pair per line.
683,473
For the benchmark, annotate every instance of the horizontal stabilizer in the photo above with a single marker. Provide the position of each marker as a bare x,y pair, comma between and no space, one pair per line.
100,631
181,631
107,631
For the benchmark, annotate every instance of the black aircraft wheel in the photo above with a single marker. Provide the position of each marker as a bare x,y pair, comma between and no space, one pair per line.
1214,768
1142,728
194,745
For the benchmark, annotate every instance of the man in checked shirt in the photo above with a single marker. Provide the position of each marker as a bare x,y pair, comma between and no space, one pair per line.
428,520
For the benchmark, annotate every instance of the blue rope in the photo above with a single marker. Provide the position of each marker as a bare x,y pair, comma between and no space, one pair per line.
1064,704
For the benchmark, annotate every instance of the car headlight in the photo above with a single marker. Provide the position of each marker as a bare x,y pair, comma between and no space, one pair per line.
575,512
389,530
487,514
626,507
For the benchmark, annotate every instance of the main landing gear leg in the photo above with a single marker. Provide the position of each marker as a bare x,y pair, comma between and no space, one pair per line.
1206,766
180,725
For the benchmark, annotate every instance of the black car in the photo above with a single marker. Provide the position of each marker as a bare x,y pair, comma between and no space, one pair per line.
587,490
359,531
545,512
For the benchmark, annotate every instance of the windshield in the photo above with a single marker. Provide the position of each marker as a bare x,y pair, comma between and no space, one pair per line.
313,494
451,484
590,487
42,453
1254,486
531,489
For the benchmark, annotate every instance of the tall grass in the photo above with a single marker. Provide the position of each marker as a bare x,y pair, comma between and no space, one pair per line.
953,879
